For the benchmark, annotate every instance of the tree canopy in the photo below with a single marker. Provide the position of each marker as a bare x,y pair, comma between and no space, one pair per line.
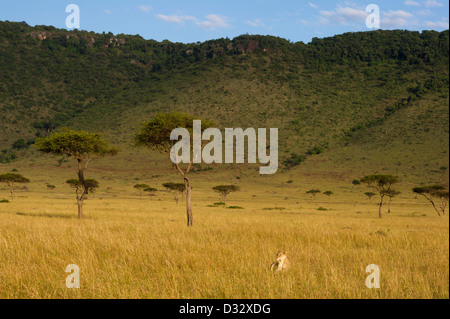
155,133
435,193
10,178
77,144
91,184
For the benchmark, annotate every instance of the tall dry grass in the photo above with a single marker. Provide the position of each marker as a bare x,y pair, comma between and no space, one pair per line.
131,248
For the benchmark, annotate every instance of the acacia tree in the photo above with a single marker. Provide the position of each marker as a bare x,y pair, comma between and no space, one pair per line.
11,179
391,194
155,134
225,190
80,145
328,193
383,184
141,188
314,192
176,189
370,195
433,194
150,190
91,184
355,183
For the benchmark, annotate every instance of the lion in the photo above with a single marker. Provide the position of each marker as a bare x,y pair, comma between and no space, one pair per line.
282,262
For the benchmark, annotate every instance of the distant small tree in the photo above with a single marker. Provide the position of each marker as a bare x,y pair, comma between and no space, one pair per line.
51,187
383,184
391,194
328,193
225,190
79,187
176,189
150,190
313,192
141,188
370,195
11,179
355,183
80,145
433,194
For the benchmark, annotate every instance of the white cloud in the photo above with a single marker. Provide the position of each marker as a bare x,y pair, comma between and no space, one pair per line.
212,21
107,11
433,3
343,15
396,19
255,23
312,5
442,24
145,8
174,18
412,3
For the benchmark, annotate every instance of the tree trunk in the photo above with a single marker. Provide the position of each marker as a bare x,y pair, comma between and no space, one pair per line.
435,208
12,192
389,205
80,209
381,206
85,189
190,219
224,198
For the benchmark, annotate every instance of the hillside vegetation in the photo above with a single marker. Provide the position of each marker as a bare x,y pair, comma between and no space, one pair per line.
358,100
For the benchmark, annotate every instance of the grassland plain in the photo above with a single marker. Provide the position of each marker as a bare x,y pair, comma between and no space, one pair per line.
132,248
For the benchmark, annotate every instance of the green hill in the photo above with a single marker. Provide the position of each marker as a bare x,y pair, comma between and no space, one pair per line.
368,101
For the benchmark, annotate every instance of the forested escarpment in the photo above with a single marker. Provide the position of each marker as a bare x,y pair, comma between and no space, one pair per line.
377,88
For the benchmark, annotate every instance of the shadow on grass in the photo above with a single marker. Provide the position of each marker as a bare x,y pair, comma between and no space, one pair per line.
48,215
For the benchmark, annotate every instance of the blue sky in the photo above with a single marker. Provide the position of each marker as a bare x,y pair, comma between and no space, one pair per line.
200,20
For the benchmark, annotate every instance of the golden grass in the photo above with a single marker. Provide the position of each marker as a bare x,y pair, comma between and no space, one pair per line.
131,248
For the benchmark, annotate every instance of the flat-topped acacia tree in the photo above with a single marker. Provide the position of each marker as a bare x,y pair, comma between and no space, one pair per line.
91,184
225,190
176,189
155,134
314,192
391,194
11,179
328,193
433,194
383,184
141,188
80,145
370,195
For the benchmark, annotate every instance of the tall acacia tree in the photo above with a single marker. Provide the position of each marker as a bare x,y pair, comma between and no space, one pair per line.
80,145
155,134
433,194
383,184
11,179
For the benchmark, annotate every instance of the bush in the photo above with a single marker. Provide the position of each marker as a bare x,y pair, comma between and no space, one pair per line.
219,204
315,151
4,201
294,160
